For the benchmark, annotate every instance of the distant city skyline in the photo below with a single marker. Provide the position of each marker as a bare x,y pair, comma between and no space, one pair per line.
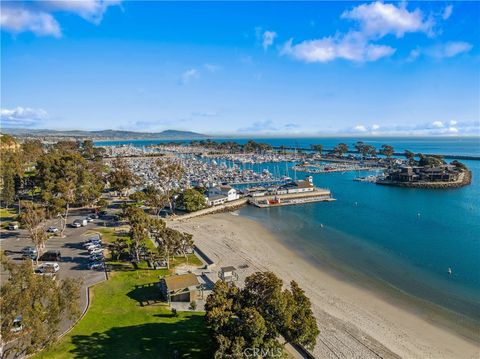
236,69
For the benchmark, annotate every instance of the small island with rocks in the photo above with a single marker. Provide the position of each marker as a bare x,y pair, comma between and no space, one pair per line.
430,171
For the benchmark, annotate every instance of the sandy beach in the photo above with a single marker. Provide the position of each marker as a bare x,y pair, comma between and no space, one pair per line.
354,322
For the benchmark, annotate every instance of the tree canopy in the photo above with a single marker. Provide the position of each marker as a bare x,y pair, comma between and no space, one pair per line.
192,200
256,316
32,307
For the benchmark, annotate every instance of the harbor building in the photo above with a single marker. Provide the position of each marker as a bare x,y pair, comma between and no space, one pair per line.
300,186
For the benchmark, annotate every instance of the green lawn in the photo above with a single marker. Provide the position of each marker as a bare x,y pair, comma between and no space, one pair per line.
110,234
121,324
6,216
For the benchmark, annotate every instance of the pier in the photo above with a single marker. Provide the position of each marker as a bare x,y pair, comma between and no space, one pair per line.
318,195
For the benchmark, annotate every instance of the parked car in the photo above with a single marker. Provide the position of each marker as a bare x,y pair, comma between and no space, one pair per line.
29,252
96,257
17,324
13,226
76,224
95,250
49,267
82,222
52,230
94,239
90,246
96,265
89,219
53,255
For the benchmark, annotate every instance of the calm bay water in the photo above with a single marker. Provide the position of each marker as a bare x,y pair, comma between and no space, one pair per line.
407,238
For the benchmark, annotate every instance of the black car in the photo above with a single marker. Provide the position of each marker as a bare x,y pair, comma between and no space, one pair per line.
51,256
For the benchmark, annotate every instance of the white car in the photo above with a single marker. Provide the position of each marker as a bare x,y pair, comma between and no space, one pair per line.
89,219
13,226
95,251
90,246
48,267
76,225
52,230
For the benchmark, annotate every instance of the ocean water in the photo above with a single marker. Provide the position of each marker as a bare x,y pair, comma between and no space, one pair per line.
406,238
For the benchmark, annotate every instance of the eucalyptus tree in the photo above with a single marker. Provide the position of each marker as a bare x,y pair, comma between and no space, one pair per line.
387,150
33,219
138,221
169,243
8,190
121,177
317,148
170,172
340,149
155,199
32,307
410,156
65,178
258,315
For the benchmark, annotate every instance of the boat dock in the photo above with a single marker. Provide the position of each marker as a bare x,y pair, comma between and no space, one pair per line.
318,195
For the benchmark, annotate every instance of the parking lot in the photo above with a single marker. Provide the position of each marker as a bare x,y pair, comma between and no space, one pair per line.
75,258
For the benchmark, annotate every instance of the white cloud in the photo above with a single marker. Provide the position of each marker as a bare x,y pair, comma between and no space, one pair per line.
37,16
413,55
211,67
352,46
268,39
17,19
454,48
437,124
378,19
449,49
90,10
447,12
423,129
189,75
440,51
259,126
359,128
22,117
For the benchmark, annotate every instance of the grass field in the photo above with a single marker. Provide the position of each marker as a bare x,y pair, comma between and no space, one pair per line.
109,235
122,322
6,216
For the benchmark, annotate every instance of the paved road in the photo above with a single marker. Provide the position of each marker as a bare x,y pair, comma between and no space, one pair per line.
74,256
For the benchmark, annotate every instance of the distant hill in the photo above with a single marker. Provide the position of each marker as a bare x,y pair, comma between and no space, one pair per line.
105,134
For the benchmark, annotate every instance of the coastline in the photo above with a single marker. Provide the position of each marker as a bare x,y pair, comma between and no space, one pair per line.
354,321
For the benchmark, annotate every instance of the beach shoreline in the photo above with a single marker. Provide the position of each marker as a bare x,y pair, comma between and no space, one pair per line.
355,321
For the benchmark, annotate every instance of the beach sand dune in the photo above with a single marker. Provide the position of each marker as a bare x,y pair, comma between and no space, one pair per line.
354,322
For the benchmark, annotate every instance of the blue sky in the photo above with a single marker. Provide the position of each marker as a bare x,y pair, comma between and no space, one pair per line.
313,68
